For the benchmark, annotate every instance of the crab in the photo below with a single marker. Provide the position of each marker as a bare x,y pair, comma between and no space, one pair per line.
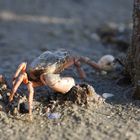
45,71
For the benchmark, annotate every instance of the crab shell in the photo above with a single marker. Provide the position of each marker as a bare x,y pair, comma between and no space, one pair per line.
49,62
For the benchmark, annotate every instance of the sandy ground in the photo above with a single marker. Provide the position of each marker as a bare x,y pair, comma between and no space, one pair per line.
27,28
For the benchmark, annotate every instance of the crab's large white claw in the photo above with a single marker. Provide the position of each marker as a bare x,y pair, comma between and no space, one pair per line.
57,83
106,63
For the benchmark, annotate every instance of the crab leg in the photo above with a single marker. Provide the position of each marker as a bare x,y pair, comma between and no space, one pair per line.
21,68
22,78
30,85
80,70
77,60
30,99
90,62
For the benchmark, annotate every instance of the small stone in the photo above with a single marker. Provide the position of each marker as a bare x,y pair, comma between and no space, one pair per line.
37,109
4,87
8,93
95,37
103,73
112,25
107,95
15,112
0,97
47,110
54,115
121,27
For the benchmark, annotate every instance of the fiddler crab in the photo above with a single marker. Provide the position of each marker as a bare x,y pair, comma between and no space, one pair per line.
46,69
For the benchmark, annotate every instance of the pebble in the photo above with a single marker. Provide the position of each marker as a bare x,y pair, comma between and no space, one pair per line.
0,97
95,36
8,93
4,87
107,95
47,110
103,72
54,115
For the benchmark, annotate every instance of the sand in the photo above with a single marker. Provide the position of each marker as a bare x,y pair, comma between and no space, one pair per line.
27,28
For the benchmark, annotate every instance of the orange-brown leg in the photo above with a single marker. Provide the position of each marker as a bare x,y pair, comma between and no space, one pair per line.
22,78
90,62
21,68
30,98
30,87
80,70
76,61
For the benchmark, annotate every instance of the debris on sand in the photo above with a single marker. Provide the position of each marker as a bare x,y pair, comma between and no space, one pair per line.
4,92
81,95
14,106
84,94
